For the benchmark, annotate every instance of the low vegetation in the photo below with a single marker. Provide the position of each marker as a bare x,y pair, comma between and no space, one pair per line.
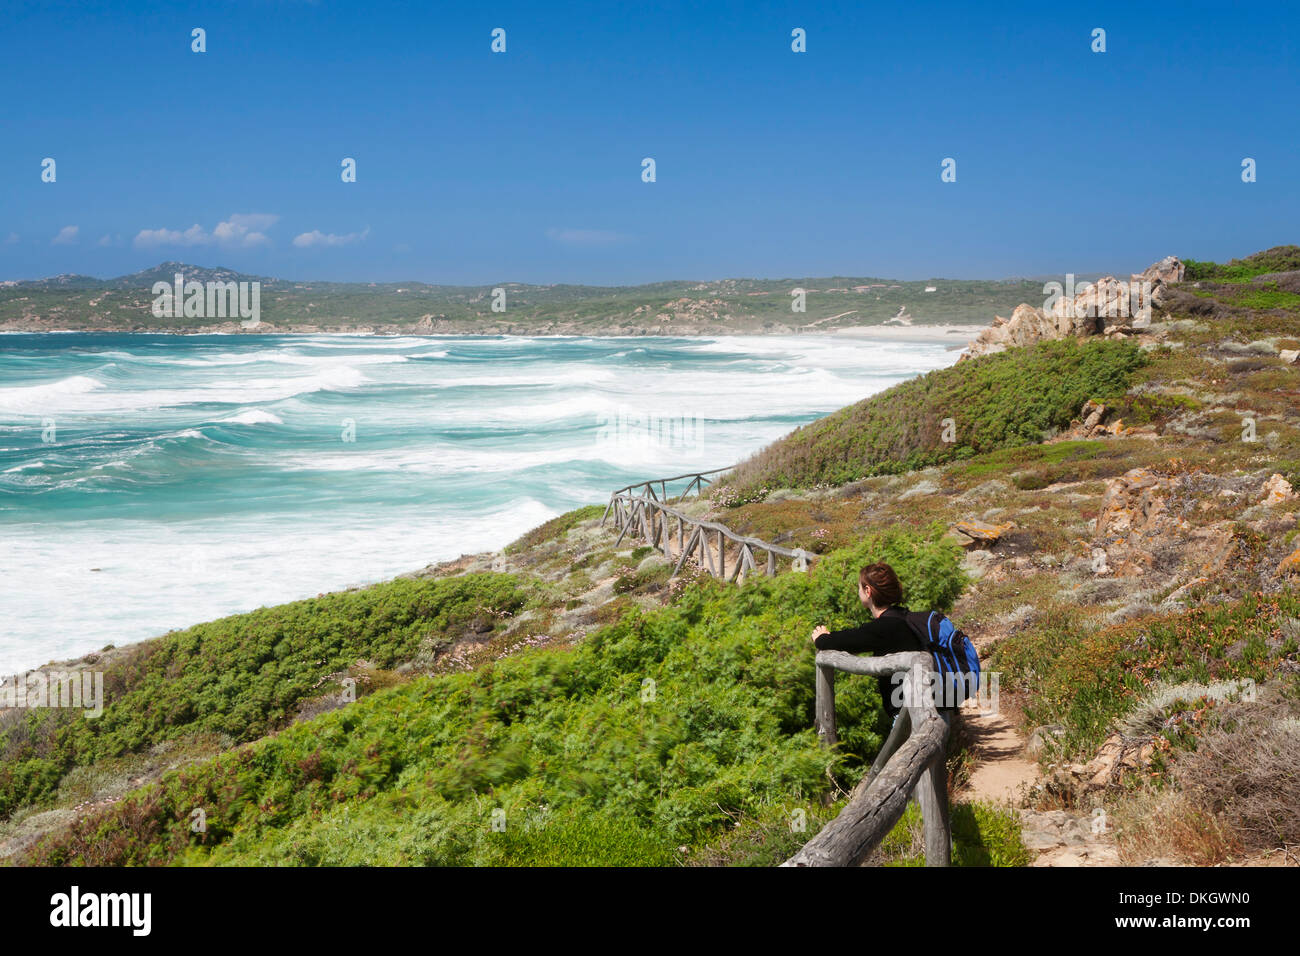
987,403
1277,259
246,675
656,732
1084,679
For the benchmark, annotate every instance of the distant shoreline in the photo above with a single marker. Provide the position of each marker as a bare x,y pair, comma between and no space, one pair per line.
947,333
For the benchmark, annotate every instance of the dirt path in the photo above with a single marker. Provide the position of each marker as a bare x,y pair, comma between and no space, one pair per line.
1004,774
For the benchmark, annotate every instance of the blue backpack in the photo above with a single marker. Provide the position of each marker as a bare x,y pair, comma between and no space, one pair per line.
954,655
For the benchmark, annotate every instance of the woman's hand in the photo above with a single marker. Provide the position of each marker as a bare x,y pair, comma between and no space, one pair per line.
818,631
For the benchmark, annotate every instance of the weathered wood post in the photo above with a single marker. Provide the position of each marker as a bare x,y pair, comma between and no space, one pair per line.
825,706
932,795
911,761
931,791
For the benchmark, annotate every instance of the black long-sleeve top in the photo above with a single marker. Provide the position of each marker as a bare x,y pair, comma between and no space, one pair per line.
887,634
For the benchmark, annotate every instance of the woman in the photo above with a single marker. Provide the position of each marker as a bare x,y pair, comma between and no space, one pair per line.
886,633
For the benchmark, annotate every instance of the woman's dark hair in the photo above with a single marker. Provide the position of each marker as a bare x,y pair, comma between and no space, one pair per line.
883,581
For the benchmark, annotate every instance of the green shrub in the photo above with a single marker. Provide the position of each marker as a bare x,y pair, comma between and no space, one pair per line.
555,528
1277,259
659,730
995,401
244,675
1085,680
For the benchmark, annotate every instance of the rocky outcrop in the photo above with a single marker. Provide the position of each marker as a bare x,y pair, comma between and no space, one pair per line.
1117,757
1277,490
1135,502
1139,533
978,534
1092,423
1108,306
1166,271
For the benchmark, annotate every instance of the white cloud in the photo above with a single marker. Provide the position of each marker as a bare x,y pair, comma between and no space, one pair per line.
105,241
193,236
583,237
67,236
241,230
245,229
11,239
317,238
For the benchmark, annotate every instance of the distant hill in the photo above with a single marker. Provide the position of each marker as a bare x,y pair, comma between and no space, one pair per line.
670,308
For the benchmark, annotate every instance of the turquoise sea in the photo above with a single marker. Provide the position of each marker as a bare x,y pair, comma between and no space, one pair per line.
149,482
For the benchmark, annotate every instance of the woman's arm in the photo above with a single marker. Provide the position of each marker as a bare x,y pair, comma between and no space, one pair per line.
855,640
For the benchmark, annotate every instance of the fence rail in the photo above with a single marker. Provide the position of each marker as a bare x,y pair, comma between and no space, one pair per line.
697,482
912,761
639,511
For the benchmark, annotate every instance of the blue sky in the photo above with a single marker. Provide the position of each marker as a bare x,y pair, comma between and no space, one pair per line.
474,167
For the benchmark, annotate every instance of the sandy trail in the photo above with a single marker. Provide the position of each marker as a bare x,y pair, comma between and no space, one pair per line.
1004,775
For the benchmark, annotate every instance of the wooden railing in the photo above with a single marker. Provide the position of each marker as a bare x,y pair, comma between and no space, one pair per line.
638,510
646,489
912,761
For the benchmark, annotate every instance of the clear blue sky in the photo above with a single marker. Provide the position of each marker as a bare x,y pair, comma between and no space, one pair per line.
476,167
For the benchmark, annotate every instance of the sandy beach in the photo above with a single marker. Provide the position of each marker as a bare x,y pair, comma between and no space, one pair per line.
958,336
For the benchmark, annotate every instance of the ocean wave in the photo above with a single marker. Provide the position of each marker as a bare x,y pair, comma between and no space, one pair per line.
35,399
253,416
461,445
580,375
367,342
82,395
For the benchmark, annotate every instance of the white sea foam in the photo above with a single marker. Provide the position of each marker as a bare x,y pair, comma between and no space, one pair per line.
50,396
81,394
274,357
447,457
254,416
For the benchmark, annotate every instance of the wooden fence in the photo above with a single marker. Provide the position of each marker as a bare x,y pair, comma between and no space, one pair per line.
646,489
640,511
912,761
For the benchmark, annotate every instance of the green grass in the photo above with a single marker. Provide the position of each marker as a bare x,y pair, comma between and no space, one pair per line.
983,834
1267,296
